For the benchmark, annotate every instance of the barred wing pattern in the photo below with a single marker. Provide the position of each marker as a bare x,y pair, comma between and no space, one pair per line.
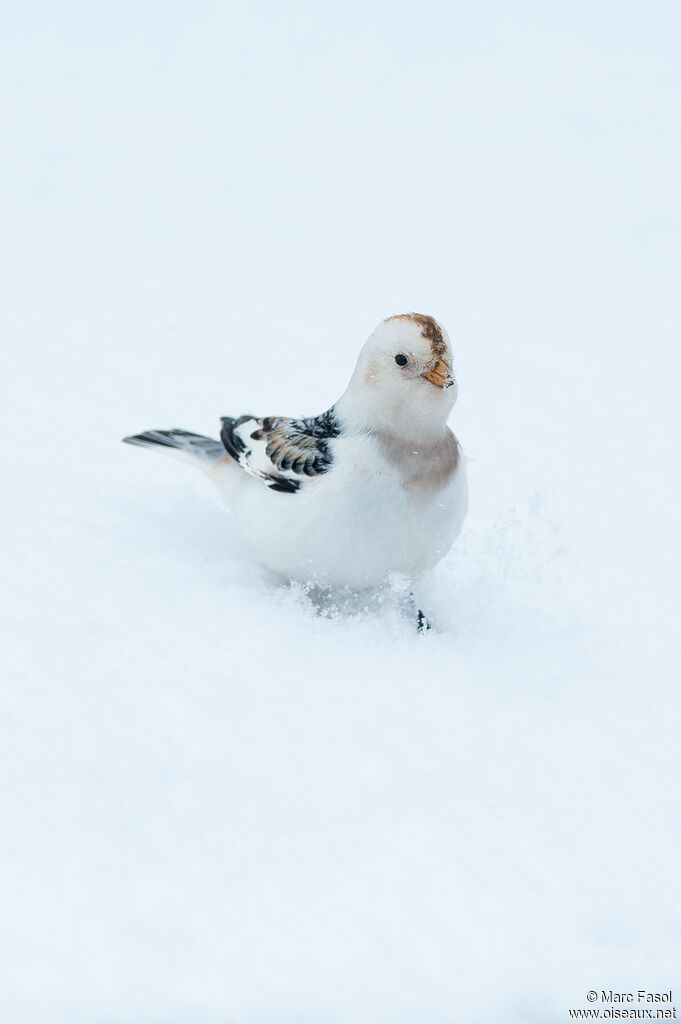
280,451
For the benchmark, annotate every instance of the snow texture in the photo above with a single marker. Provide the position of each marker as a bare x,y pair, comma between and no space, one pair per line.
220,802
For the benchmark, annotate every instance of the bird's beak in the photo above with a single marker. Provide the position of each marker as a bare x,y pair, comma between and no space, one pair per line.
441,376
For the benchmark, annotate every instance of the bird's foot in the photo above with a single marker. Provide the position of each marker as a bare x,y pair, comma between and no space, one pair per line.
422,623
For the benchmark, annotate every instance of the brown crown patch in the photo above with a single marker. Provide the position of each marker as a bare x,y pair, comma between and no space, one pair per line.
430,329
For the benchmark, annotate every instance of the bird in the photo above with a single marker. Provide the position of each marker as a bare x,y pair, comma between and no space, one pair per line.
372,488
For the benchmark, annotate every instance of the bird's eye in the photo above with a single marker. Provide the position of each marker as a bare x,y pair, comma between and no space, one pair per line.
401,360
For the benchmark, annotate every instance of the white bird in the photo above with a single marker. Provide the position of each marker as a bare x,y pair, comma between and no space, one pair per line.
374,486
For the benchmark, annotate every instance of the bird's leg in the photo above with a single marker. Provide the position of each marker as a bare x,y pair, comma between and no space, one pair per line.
423,624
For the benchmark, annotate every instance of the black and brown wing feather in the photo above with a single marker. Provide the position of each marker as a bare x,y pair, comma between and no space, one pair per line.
279,450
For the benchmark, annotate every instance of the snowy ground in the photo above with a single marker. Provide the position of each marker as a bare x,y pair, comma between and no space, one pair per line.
217,806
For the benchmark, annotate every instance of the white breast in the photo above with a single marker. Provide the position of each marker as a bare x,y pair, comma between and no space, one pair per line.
351,526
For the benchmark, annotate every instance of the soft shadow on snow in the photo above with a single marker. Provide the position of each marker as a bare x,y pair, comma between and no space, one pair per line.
497,580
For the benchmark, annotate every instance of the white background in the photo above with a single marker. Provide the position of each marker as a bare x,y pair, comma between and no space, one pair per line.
215,805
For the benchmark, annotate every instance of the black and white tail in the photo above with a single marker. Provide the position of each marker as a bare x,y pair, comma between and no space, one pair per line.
192,447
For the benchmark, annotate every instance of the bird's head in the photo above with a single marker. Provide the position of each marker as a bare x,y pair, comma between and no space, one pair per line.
403,381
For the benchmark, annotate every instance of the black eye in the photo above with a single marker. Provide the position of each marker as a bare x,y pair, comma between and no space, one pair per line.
401,360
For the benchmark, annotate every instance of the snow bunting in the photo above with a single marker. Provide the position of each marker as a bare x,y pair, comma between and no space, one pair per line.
374,486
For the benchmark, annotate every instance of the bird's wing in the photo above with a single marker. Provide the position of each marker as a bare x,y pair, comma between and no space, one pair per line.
280,451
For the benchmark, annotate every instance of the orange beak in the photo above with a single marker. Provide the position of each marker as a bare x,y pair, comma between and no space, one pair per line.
441,376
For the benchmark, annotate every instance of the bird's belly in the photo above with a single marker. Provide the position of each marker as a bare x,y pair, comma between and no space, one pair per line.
351,529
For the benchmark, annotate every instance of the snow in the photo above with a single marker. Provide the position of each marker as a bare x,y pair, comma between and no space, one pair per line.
218,805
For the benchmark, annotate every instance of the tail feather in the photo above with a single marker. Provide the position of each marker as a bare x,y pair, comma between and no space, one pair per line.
194,447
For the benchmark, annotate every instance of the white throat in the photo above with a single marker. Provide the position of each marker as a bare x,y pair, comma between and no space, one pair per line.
361,410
